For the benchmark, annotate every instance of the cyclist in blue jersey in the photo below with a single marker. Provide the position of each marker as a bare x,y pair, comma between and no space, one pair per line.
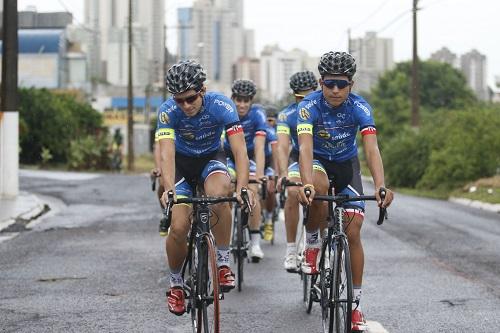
302,84
189,128
253,121
328,121
271,162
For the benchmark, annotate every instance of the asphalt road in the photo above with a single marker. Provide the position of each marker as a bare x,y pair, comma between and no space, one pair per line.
95,263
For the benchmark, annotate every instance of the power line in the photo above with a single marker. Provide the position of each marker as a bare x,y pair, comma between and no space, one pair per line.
368,17
397,18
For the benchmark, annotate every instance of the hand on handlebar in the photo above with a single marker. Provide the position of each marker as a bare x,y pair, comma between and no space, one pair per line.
167,195
155,172
306,194
384,197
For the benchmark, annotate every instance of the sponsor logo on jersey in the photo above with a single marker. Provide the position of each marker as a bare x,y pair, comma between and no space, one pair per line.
342,136
164,119
323,134
188,136
205,135
282,117
362,107
304,114
227,106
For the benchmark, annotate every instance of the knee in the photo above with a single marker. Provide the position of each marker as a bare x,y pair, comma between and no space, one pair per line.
353,229
177,232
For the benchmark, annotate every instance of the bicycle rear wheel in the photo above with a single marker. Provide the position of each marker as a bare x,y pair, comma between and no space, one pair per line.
341,288
208,287
324,284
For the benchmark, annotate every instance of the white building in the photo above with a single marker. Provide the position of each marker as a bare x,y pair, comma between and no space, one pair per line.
107,22
276,67
473,65
373,56
212,32
446,56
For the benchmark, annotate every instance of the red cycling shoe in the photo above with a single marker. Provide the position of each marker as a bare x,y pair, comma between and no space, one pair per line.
311,258
226,279
358,321
175,301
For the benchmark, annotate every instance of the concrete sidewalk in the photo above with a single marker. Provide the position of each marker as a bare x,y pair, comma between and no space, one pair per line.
26,206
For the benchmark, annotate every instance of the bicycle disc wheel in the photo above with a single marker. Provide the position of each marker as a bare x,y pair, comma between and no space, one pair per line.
341,288
325,281
208,285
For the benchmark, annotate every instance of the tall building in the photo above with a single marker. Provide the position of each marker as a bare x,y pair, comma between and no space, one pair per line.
373,57
212,32
473,65
31,19
276,67
107,20
446,56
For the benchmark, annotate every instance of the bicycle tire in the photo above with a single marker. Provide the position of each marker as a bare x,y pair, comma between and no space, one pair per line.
208,285
325,281
341,288
240,249
193,305
308,282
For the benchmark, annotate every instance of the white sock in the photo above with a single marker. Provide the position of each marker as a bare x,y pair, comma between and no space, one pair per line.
356,297
269,215
176,279
312,239
291,248
222,256
255,237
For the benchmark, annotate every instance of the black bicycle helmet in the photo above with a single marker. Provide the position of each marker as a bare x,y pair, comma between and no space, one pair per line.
245,88
303,81
271,110
187,74
337,63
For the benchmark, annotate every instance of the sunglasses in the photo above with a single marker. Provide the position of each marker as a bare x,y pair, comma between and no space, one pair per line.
341,84
190,99
299,96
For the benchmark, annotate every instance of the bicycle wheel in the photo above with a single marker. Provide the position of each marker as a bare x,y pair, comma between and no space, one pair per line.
324,284
240,249
341,288
193,304
208,287
309,292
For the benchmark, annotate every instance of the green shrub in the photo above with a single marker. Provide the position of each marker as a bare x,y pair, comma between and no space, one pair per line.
89,153
406,158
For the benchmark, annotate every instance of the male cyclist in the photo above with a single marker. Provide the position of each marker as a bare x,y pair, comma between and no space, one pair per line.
327,124
253,121
302,84
271,157
189,128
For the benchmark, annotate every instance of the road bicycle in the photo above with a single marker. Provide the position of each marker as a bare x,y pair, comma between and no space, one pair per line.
202,284
333,290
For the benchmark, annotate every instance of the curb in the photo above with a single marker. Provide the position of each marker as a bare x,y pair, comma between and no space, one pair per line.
31,213
476,204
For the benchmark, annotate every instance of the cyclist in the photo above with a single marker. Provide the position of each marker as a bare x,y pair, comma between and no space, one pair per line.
271,157
302,83
327,124
253,121
189,128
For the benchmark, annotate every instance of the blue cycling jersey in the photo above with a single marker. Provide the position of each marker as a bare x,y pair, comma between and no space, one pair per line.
198,135
287,124
271,138
334,128
254,124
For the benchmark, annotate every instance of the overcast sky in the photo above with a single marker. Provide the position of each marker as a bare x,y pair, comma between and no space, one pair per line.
318,26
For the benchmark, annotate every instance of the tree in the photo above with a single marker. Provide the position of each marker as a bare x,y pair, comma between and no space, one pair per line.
442,87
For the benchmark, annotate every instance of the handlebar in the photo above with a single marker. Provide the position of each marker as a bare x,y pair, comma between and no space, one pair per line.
203,200
263,188
284,183
153,182
342,198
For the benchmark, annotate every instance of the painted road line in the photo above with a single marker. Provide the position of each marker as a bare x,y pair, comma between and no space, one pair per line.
375,327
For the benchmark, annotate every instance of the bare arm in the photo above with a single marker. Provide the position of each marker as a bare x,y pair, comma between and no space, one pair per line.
239,149
374,161
305,164
260,158
167,163
283,154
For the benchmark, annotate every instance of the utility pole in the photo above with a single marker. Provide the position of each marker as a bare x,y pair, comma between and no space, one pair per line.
130,108
9,116
415,84
165,63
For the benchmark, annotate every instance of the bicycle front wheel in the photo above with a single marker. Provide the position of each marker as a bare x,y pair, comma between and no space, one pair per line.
240,248
325,281
341,288
208,287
